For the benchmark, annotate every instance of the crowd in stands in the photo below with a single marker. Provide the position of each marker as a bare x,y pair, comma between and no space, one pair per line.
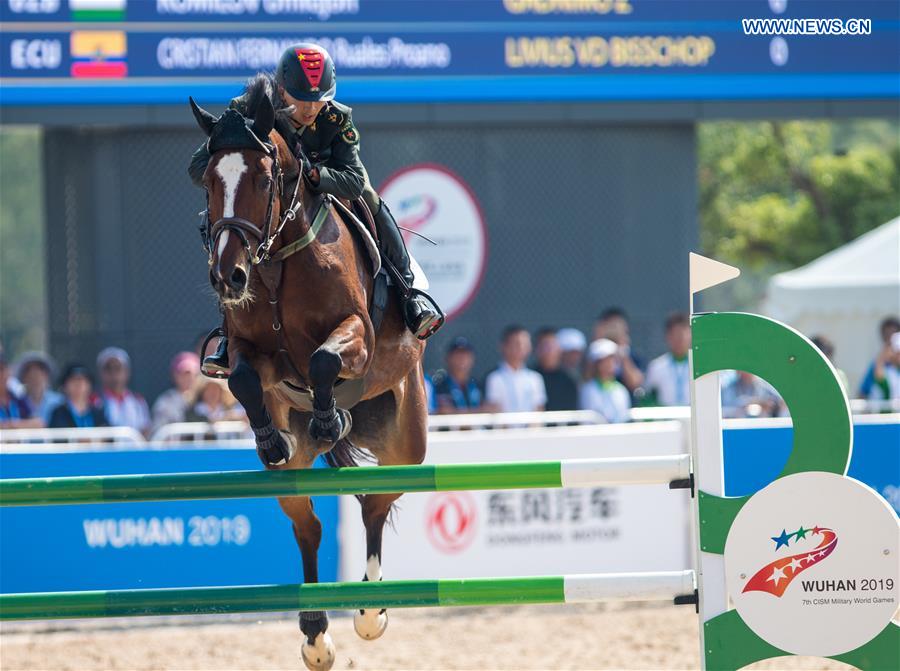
557,369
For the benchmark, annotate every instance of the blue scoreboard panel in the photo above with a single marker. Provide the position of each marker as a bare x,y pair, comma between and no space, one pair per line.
159,51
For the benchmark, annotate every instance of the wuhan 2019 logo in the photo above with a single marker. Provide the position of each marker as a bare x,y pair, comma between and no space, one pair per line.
780,571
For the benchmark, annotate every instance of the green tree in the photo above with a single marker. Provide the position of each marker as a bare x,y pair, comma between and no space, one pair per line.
22,297
776,195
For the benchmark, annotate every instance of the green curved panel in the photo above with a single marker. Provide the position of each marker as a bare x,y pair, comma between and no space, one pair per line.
823,429
788,361
731,644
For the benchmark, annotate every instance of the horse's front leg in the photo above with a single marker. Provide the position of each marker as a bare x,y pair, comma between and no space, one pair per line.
274,443
345,354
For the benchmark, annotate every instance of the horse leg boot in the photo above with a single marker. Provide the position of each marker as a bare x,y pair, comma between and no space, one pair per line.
344,352
371,623
317,649
275,447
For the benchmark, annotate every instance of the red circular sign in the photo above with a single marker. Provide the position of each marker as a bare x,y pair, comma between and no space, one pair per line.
450,521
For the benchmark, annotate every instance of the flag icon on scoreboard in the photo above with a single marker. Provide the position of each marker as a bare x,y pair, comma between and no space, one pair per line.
98,53
97,10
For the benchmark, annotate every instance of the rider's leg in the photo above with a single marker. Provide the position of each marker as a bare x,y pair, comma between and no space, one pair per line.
216,364
421,318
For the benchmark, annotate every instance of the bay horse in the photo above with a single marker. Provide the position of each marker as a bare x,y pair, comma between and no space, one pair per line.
296,284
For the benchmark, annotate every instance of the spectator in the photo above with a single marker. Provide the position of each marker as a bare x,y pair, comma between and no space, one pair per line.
15,412
123,407
886,374
77,408
572,343
34,370
455,390
601,392
512,387
172,404
213,402
827,348
888,327
613,325
669,376
430,401
561,386
746,395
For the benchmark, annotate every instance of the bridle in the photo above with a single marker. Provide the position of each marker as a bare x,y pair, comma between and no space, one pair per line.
264,236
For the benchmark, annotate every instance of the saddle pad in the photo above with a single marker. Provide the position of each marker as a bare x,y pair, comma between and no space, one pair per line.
371,246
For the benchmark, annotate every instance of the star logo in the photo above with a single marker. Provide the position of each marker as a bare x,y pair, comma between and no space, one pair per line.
312,63
775,576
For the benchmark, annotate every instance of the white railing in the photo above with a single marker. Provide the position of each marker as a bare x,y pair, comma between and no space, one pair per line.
516,419
122,435
201,431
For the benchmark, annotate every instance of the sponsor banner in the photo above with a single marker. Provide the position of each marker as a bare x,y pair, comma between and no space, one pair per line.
461,53
532,532
432,201
811,564
153,544
513,12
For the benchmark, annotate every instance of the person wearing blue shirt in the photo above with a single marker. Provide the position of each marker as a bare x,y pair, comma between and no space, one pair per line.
77,411
455,390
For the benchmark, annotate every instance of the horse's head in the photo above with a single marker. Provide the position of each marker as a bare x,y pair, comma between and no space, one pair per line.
243,185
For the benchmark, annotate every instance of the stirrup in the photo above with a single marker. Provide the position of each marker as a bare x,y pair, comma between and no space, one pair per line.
209,367
427,328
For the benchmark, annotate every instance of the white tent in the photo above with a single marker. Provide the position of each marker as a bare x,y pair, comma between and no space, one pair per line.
843,295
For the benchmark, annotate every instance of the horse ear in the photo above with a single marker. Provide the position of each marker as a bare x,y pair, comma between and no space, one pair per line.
205,120
264,119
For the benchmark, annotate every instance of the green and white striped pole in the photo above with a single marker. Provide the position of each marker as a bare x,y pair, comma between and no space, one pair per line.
350,596
359,480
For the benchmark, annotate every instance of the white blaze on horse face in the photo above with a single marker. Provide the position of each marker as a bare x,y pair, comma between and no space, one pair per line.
230,169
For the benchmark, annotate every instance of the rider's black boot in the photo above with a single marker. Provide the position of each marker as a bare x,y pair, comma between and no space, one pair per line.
216,364
422,317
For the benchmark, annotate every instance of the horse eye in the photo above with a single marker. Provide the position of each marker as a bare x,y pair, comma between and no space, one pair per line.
265,182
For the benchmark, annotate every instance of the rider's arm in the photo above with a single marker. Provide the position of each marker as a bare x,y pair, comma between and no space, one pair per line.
343,175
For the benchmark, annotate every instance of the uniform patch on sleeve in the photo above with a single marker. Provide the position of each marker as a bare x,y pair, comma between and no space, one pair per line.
349,134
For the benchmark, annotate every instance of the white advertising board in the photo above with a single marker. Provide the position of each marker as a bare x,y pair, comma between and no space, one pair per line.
532,532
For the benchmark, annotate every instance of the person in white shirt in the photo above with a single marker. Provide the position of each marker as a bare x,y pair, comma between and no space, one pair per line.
512,387
123,406
601,392
669,376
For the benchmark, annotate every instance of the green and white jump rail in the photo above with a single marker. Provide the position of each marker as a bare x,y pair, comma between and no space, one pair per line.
674,470
350,595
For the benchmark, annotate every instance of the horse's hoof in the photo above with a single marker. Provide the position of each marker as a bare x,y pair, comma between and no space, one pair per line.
333,429
276,450
370,624
319,656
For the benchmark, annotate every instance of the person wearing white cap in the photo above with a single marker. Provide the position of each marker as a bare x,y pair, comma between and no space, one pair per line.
601,392
123,406
572,343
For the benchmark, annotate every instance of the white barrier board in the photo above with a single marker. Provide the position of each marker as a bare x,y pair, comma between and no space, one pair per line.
532,532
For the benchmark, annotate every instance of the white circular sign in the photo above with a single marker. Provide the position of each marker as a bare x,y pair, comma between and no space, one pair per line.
812,564
431,200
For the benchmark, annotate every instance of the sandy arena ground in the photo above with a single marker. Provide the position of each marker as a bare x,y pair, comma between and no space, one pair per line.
594,636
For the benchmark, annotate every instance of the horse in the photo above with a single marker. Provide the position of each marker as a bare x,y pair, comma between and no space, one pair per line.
296,285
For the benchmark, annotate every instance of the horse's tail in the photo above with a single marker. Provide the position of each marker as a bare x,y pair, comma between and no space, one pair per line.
345,453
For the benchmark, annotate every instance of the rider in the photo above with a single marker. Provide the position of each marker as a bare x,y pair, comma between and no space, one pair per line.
324,129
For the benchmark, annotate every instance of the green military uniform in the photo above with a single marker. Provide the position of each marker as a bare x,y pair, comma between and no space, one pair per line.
332,145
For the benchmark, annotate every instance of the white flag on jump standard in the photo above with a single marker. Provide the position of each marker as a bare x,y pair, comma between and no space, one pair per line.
706,273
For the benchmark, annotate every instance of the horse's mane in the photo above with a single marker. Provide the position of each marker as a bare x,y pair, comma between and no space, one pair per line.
262,85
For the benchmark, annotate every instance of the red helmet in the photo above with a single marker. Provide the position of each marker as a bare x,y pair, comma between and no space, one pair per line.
306,72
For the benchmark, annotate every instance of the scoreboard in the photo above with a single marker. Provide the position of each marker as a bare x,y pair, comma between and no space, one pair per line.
160,51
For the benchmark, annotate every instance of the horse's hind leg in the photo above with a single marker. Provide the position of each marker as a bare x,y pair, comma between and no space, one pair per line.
317,649
371,623
401,441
